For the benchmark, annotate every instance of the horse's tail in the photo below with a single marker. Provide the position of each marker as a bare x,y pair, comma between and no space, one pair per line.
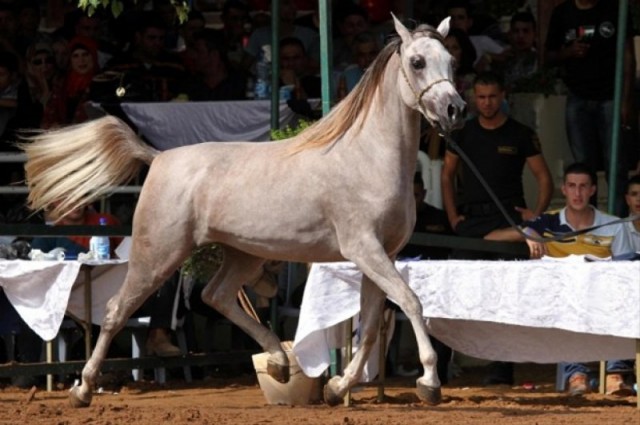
76,165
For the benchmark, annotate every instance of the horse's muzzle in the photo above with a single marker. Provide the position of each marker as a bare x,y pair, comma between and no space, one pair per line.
456,115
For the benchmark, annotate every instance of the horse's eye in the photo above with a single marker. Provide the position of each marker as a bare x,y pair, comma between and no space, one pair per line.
417,62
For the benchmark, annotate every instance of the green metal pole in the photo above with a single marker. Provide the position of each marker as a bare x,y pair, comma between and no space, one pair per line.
326,54
275,64
617,104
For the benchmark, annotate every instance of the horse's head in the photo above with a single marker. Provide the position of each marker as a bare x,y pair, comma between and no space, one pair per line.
426,75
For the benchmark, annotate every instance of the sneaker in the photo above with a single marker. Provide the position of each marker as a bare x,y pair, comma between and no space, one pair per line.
616,386
578,384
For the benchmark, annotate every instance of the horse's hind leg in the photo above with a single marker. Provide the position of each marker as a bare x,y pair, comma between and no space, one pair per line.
138,285
371,307
237,269
376,264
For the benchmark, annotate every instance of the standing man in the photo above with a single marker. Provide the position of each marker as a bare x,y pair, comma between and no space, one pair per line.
499,146
582,39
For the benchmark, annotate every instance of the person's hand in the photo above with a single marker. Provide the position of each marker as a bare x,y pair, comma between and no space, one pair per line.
537,249
456,220
578,49
526,214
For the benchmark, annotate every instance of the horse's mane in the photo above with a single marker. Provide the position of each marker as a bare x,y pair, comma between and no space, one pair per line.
353,107
358,102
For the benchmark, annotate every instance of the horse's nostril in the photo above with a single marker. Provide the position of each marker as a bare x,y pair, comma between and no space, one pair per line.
451,111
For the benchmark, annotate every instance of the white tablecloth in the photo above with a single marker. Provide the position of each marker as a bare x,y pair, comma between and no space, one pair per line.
43,291
172,124
542,311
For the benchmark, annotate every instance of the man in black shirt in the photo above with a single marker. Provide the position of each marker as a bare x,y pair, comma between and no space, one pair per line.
582,39
499,146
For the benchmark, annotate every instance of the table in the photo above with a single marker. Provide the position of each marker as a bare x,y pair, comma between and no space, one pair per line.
42,292
169,125
542,311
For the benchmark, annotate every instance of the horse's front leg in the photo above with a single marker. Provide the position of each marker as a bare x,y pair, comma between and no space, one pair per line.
376,264
221,292
371,309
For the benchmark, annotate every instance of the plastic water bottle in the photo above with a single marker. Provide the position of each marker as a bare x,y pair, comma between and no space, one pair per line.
100,244
263,74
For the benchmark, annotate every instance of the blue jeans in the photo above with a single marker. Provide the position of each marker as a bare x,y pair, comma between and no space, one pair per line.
612,366
589,129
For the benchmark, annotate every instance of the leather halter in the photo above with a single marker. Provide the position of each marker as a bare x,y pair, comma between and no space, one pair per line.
418,95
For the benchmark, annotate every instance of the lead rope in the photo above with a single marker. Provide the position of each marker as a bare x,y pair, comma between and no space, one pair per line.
494,198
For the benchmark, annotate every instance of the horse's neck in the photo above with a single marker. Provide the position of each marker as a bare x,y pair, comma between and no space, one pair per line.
392,128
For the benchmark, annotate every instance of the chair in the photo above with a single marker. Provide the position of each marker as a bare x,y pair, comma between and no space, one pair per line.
138,326
290,280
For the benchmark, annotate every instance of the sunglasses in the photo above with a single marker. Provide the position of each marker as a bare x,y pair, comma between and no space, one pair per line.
49,61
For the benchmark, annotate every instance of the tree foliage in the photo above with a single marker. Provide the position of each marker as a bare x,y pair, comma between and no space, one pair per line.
117,6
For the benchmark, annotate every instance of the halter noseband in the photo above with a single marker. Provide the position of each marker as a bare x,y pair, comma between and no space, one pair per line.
424,90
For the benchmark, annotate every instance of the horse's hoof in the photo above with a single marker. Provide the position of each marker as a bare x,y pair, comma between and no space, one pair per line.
429,395
76,401
278,372
330,397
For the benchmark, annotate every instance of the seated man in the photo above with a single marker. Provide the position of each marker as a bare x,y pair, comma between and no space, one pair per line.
293,70
365,49
159,307
632,197
578,186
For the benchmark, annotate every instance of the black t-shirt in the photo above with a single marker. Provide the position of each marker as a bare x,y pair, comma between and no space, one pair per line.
499,155
593,76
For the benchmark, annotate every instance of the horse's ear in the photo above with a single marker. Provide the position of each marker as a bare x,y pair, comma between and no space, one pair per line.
402,31
443,28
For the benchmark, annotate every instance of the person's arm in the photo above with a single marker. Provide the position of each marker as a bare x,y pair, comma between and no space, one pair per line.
508,234
576,49
628,84
536,249
540,171
556,52
447,177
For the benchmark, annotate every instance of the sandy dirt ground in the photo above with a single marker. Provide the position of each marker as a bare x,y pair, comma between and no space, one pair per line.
239,400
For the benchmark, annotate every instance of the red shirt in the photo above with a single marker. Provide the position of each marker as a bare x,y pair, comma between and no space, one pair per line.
93,218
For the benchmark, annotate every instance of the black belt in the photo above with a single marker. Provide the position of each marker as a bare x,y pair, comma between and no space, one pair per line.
490,208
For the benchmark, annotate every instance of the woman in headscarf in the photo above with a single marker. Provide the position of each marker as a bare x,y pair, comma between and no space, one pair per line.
67,102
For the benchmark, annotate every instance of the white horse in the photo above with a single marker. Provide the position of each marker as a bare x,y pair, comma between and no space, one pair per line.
341,190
